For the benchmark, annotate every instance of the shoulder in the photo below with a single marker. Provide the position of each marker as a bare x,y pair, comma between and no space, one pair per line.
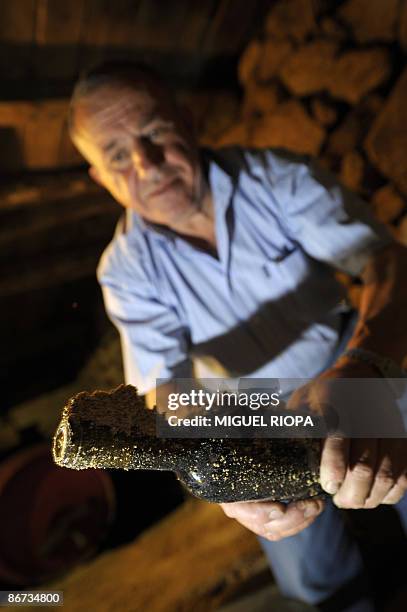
266,163
122,263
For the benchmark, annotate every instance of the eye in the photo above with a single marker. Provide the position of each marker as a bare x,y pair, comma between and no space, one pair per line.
120,157
156,132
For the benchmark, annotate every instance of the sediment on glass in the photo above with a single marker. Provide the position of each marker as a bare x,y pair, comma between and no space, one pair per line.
115,430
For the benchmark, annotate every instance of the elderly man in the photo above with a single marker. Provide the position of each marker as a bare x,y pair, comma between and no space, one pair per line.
225,261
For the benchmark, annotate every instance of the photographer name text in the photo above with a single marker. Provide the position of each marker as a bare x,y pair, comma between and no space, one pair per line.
250,420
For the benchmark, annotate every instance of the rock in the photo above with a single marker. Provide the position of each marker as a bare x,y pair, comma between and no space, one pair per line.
324,112
358,72
373,180
352,170
371,19
386,143
260,99
309,69
296,18
197,103
274,51
332,29
248,62
238,134
402,231
373,104
315,67
325,161
223,112
347,136
403,26
354,295
289,127
387,204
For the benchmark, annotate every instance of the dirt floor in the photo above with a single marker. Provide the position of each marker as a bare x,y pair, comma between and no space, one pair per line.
198,559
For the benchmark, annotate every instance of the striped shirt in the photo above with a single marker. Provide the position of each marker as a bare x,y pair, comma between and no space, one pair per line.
269,306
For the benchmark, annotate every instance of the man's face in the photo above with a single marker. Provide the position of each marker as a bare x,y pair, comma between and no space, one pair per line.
139,148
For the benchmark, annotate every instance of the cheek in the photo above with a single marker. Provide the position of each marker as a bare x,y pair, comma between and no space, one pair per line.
123,187
181,157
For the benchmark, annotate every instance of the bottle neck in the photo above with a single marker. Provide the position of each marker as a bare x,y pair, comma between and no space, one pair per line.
80,446
154,453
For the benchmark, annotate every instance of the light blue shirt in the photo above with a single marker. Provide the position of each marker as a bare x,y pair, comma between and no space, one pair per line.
270,305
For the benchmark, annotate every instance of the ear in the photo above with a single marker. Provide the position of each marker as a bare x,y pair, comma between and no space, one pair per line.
95,175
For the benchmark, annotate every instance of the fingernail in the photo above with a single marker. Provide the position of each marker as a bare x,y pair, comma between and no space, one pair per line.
276,514
310,510
332,487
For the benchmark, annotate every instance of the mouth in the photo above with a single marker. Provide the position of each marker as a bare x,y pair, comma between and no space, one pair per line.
162,188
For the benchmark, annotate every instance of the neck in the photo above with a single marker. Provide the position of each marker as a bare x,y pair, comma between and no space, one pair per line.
200,224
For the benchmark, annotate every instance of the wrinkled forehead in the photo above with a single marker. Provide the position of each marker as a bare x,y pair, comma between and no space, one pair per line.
113,103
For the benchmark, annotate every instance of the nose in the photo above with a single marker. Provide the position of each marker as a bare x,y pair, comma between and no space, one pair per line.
146,156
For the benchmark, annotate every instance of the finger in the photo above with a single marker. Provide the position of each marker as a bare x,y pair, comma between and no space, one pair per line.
359,477
254,515
298,516
385,472
334,463
397,492
299,398
254,511
400,488
274,520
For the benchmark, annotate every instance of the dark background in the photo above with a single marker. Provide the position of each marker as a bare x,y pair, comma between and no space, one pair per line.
319,77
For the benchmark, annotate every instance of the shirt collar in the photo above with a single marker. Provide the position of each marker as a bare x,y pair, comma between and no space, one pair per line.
221,183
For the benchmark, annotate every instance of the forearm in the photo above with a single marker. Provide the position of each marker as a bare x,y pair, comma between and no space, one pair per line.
382,325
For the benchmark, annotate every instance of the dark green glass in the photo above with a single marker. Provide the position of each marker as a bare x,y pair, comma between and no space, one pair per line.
115,430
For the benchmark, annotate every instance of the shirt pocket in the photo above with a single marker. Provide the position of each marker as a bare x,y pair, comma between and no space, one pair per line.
287,269
309,286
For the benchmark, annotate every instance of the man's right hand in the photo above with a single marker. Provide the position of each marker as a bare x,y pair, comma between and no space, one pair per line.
274,520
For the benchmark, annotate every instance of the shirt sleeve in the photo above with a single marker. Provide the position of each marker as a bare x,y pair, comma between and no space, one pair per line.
154,342
328,221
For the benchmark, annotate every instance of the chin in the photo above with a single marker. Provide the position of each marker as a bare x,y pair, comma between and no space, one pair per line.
175,216
173,207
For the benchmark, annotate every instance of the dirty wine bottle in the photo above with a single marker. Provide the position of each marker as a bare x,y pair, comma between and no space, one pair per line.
115,430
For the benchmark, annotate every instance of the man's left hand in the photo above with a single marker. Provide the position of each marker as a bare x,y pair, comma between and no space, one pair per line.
362,472
358,472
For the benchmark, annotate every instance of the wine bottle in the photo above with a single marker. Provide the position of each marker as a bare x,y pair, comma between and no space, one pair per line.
115,430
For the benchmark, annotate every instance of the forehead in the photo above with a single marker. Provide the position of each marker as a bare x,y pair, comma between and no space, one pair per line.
120,107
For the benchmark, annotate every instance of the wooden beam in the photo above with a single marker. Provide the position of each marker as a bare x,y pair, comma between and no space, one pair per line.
58,23
58,219
36,189
193,68
39,129
17,23
56,228
54,271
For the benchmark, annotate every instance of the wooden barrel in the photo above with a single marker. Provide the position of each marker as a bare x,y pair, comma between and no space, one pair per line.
51,518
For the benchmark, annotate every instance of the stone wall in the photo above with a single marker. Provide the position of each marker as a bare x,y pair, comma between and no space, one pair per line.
329,79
